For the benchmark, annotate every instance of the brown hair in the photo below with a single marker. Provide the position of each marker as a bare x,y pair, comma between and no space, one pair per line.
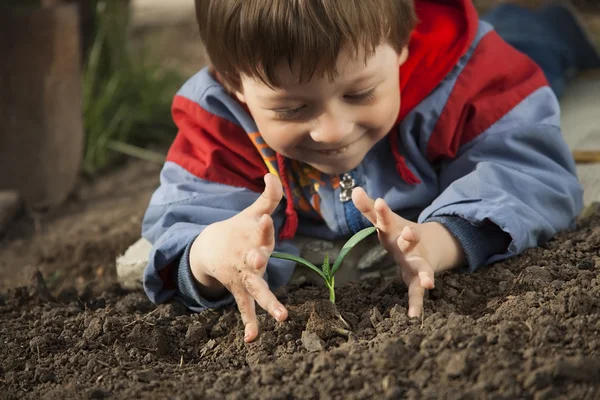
251,37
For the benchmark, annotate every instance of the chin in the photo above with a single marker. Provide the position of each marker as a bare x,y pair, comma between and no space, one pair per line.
336,169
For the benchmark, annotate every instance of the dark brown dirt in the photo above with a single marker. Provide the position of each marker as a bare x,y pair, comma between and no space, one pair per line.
76,244
526,328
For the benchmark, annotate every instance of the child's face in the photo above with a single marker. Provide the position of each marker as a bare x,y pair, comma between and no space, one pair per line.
330,125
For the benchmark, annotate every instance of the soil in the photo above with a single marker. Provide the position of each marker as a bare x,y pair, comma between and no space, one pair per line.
525,328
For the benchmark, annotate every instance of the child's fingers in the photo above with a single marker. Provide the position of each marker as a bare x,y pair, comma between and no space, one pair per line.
412,234
259,290
419,267
245,304
364,204
415,296
385,216
257,259
269,199
427,280
409,238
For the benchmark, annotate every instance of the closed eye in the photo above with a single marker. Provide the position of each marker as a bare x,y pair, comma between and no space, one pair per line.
361,96
288,113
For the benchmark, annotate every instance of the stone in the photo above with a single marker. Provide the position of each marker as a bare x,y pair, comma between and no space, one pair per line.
455,364
93,330
311,341
586,264
10,206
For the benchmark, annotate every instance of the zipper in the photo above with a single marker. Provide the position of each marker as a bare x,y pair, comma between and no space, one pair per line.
352,215
347,183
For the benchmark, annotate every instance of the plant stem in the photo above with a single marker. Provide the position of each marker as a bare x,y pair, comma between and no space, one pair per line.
331,286
331,295
137,152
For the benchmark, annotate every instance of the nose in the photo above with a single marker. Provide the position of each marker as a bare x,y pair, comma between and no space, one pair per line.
331,128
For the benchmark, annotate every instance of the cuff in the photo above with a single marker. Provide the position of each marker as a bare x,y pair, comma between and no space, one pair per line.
187,289
478,242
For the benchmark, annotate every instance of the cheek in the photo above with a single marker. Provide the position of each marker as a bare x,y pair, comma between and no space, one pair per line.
382,115
279,136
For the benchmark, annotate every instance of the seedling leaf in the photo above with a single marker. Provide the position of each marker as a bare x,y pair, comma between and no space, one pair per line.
299,260
326,268
353,241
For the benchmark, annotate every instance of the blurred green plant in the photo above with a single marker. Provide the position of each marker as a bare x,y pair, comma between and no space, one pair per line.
126,97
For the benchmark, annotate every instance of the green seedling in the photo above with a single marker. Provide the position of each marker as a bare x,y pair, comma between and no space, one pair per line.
327,271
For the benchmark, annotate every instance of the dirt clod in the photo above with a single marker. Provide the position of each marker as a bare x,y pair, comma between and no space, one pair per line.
311,341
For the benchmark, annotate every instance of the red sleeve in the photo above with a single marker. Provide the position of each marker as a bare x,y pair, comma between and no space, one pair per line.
214,149
495,80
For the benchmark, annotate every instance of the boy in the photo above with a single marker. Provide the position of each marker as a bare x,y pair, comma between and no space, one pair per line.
331,104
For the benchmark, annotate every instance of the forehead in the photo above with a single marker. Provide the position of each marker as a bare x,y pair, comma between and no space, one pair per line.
352,67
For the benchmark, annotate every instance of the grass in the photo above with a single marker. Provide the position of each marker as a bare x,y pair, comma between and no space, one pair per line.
126,99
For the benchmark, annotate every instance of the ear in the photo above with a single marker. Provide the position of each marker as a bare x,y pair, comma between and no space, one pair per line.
403,56
240,96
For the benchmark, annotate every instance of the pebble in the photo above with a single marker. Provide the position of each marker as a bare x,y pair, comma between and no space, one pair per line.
311,341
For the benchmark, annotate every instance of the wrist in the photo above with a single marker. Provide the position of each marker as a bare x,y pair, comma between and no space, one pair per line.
208,286
442,247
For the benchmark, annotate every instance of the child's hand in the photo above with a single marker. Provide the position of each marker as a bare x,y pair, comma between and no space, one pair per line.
420,250
233,254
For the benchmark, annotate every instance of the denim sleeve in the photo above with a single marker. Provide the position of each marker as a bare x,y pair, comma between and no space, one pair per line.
478,242
187,289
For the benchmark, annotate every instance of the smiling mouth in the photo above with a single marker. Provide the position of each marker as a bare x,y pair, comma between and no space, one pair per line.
339,150
334,151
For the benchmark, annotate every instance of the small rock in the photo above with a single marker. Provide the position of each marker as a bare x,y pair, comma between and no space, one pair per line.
456,363
538,273
586,265
10,205
93,330
502,286
312,342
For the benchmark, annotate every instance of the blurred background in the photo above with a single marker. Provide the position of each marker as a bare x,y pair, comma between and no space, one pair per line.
85,94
